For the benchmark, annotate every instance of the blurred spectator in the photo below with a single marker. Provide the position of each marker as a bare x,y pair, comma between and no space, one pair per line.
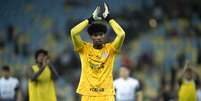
2,43
9,86
166,93
126,61
199,54
12,38
181,59
64,90
11,34
76,2
145,58
22,46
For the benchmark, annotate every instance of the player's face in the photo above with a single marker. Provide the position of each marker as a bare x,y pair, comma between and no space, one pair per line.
98,39
6,73
40,57
188,75
124,72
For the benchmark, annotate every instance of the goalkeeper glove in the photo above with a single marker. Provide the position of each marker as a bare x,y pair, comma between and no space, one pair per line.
95,15
106,14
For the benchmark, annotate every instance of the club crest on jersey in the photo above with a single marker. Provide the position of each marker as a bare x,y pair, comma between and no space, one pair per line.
105,55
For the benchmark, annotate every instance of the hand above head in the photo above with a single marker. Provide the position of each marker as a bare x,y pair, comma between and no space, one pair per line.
95,15
106,14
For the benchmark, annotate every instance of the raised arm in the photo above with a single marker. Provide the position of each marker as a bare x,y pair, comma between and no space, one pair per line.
120,34
75,34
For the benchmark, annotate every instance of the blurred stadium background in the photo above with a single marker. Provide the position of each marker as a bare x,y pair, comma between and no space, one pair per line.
160,36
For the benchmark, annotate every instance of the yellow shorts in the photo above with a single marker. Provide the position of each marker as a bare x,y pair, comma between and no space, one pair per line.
97,98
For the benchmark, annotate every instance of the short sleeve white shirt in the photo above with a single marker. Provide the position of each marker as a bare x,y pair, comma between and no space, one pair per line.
8,87
126,89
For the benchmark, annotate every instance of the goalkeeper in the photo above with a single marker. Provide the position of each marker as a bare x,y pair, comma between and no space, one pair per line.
97,58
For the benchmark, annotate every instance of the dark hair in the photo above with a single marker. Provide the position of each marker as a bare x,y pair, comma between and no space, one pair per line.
40,51
5,68
97,28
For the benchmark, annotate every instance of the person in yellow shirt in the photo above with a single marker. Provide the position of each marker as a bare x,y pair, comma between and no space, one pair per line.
41,85
187,84
97,58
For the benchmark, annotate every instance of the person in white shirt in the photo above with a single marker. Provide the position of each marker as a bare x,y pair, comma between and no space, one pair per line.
9,86
127,88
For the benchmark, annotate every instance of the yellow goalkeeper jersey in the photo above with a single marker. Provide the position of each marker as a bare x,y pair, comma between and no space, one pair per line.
43,88
97,66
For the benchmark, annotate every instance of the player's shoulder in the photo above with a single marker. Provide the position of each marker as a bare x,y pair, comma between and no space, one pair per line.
1,78
133,80
117,80
109,44
87,44
14,79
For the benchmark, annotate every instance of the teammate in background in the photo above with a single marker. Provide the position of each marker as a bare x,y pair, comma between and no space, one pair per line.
97,58
127,88
9,86
188,83
41,74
